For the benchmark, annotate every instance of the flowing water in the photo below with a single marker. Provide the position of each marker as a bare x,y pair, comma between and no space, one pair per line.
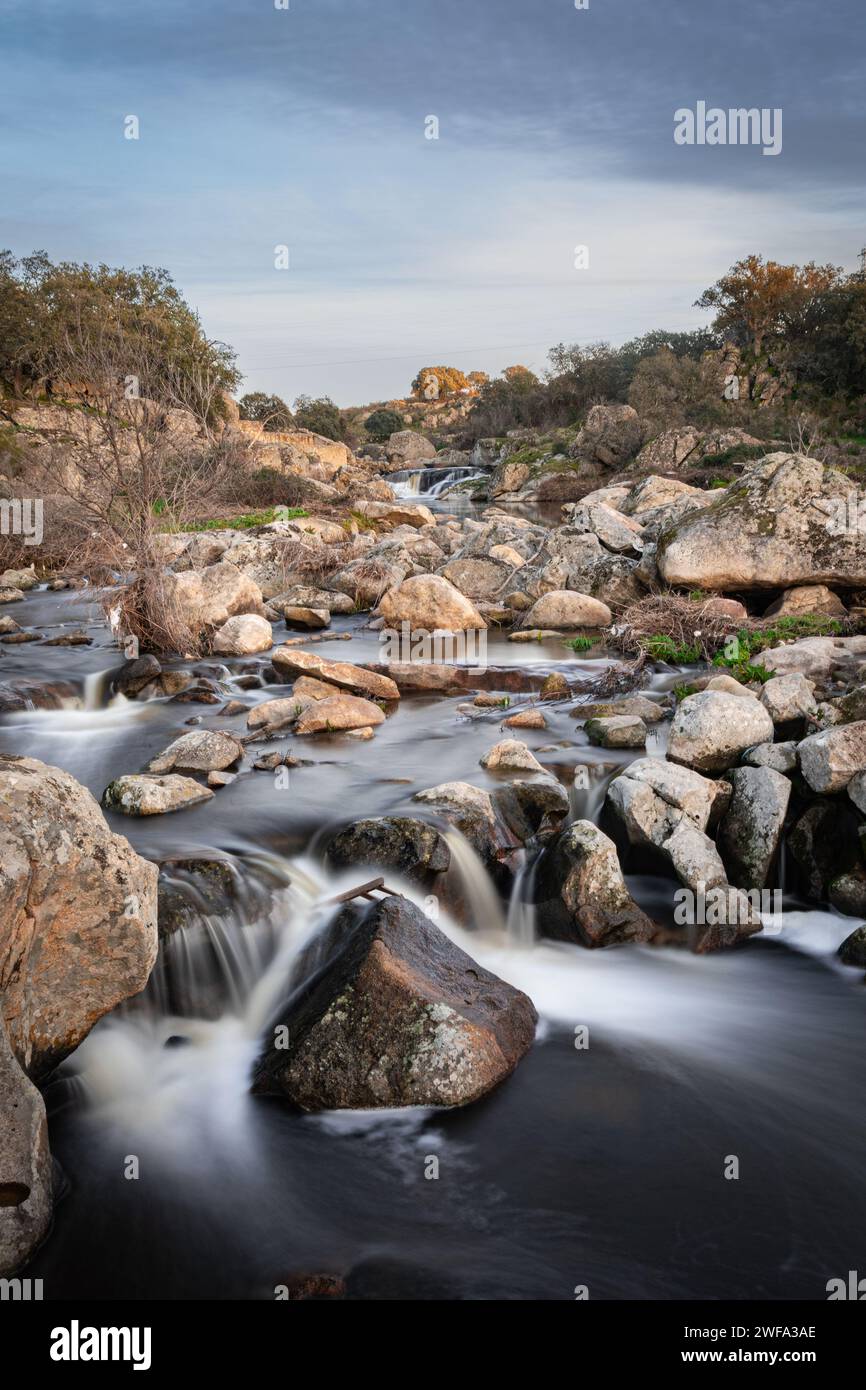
600,1166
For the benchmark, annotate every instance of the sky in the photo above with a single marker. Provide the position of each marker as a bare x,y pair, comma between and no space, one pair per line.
306,127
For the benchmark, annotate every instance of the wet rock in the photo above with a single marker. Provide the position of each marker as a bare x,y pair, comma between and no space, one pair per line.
79,638
399,1016
232,708
429,603
830,758
144,794
417,677
205,750
825,845
751,832
511,755
360,680
269,761
192,888
526,719
25,1163
711,729
243,635
221,779
273,715
410,847
617,731
562,610
10,595
555,687
77,913
670,807
337,713
580,892
853,948
8,624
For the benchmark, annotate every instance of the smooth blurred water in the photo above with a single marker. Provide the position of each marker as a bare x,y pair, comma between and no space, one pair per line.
600,1165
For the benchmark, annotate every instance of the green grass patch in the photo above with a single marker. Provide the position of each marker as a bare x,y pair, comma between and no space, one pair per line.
246,522
663,648
580,644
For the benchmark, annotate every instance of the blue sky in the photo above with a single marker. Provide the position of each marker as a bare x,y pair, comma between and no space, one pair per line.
305,127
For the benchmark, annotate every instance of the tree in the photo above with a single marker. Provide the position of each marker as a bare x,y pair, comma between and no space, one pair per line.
321,416
271,411
759,300
137,462
669,390
520,374
382,424
431,383
44,306
478,379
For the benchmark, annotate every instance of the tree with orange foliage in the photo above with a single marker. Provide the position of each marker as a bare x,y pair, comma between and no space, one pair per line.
758,299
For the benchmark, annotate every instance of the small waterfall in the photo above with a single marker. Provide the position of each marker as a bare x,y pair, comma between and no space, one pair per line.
96,689
482,900
520,924
419,483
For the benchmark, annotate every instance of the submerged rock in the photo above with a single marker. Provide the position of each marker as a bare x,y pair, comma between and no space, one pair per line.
337,713
511,755
580,892
398,1016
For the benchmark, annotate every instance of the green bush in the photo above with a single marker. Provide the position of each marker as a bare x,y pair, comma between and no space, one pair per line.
382,424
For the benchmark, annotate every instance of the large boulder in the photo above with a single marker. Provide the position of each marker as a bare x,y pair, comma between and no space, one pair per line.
751,831
776,527
611,435
209,597
410,447
580,893
788,698
562,610
712,728
429,603
830,758
25,1163
808,598
398,1016
78,913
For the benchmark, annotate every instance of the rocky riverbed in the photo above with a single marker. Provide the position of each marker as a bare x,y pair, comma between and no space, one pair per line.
614,939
